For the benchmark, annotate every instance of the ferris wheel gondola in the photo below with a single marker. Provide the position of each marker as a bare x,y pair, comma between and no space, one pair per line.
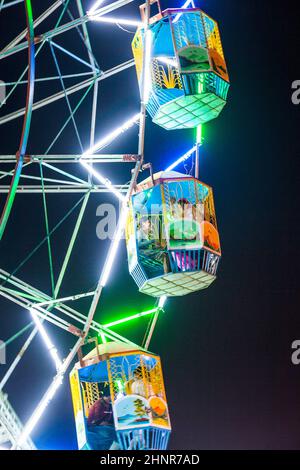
119,399
189,78
172,238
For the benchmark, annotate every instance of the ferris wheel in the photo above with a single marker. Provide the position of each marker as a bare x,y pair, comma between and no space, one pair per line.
168,218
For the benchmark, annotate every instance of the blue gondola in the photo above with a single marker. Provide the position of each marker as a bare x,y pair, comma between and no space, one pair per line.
189,78
172,238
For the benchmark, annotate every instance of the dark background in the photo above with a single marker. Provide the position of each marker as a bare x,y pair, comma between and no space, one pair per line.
226,350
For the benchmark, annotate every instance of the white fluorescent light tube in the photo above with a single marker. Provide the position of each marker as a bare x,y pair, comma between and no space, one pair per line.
94,7
105,181
115,245
112,135
102,143
50,346
124,21
168,61
182,159
185,5
162,301
147,70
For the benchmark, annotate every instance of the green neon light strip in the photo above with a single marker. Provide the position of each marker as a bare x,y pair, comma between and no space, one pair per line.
132,317
27,120
199,134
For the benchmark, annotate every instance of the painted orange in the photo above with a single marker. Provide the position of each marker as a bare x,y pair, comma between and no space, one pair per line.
157,405
210,236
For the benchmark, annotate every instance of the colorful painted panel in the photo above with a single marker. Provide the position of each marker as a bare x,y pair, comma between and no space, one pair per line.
131,412
131,241
147,210
210,237
135,411
78,409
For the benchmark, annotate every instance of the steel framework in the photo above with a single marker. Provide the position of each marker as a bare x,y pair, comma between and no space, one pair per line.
10,426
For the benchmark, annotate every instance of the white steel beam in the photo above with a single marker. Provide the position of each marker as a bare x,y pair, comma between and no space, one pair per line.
93,158
69,91
36,22
11,426
63,28
64,189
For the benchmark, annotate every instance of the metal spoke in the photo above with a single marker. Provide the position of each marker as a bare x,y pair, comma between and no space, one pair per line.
9,4
64,28
50,180
74,56
63,172
41,243
36,22
66,96
95,158
87,42
47,230
4,174
71,244
69,91
64,189
46,79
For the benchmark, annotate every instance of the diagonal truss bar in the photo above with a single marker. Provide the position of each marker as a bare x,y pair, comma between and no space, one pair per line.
64,28
69,91
36,54
46,79
47,229
71,244
71,111
37,22
74,56
59,305
4,174
49,180
64,173
87,42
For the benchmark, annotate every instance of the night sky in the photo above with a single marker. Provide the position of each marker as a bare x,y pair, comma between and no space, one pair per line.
226,350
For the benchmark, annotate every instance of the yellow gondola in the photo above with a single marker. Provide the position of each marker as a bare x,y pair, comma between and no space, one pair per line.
119,399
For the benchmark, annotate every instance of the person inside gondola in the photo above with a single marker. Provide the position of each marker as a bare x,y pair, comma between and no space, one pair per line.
150,243
101,433
144,233
184,231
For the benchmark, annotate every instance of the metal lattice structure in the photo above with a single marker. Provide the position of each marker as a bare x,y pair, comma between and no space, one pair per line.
10,426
